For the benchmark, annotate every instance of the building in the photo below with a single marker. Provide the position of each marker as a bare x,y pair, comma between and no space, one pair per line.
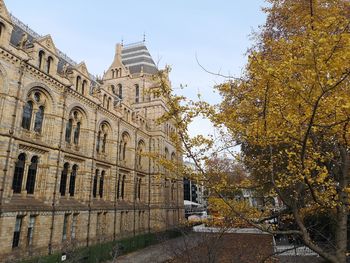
72,167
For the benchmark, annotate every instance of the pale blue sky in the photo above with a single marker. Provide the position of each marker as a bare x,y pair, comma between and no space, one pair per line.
87,30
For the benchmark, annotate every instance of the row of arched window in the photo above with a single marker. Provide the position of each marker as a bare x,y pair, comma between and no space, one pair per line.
18,176
73,127
117,72
107,102
98,183
44,64
71,172
80,85
35,105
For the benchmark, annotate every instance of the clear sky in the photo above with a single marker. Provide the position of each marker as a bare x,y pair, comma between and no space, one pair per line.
176,31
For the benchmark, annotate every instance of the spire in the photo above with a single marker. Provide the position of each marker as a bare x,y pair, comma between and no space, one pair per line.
144,37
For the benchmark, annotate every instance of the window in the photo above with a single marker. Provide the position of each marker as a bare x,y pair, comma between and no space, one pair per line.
73,125
30,185
39,117
139,188
94,188
123,146
41,57
74,226
101,183
83,87
18,174
65,224
77,83
104,101
137,93
76,133
118,187
98,141
72,180
123,185
17,232
69,130
102,138
109,103
48,65
120,91
27,115
30,233
63,182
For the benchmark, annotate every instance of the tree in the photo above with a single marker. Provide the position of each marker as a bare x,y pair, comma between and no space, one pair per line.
290,113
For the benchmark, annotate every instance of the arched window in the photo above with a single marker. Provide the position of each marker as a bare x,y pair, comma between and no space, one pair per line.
76,133
109,103
41,59
166,153
113,90
101,183
69,130
48,64
98,141
140,148
101,144
83,87
123,185
120,91
118,186
72,180
27,115
18,174
63,182
120,72
104,101
39,117
104,143
112,73
30,184
2,28
77,84
139,189
137,93
94,188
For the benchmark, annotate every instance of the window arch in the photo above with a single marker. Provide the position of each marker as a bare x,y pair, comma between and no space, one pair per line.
41,59
137,93
109,103
74,126
77,83
48,64
120,91
104,100
27,115
83,86
94,188
73,177
102,177
18,173
35,105
102,138
123,146
63,182
140,150
123,186
32,170
39,118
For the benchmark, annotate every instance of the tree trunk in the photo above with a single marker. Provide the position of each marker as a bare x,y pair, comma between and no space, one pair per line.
342,210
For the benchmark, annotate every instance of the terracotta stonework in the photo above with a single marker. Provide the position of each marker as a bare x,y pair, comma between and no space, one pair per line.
71,163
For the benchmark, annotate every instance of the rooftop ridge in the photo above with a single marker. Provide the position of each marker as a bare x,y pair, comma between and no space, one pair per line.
134,44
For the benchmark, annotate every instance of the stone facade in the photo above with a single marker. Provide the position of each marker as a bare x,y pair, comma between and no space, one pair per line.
72,168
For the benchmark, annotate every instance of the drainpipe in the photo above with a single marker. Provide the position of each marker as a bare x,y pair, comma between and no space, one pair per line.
92,179
149,186
116,183
57,170
12,129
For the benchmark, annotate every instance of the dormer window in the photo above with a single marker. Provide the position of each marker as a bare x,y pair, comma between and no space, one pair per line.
83,86
77,83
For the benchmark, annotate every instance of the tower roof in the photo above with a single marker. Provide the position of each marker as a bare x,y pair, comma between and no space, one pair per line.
137,58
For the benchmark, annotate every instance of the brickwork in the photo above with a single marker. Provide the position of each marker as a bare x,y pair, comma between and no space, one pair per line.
71,171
